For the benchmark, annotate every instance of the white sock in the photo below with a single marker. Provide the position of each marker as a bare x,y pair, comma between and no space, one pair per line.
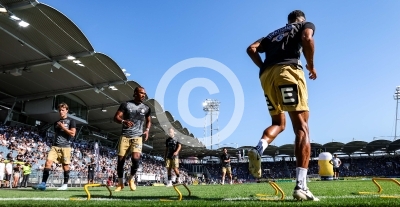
301,177
262,145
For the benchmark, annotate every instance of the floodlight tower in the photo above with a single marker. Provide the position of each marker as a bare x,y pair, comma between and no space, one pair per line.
396,97
211,107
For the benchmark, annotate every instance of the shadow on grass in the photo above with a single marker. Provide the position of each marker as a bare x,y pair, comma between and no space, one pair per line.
175,198
123,197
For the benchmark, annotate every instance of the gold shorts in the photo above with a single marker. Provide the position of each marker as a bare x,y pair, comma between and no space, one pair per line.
227,170
172,163
285,89
60,154
126,145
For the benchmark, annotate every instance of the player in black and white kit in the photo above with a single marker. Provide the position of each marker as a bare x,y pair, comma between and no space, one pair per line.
91,168
226,166
133,115
65,130
284,84
171,156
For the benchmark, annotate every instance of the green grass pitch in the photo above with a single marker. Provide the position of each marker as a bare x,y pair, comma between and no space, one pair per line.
331,193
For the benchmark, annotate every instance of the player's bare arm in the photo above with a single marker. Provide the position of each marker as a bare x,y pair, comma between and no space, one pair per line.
165,154
254,55
148,125
118,118
177,150
71,132
307,41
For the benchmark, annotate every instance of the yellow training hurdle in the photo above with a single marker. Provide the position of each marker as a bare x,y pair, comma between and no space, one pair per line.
375,181
179,192
277,191
86,188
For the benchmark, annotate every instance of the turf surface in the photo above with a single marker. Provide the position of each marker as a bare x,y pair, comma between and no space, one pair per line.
331,193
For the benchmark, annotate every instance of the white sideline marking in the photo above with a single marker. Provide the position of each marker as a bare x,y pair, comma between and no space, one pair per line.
291,198
225,199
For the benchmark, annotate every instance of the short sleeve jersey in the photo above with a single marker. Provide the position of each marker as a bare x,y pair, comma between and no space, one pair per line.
284,45
335,162
225,157
171,145
91,167
62,138
135,113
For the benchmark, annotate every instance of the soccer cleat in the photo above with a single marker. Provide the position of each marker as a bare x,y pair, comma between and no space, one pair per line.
254,163
41,186
63,187
169,184
119,188
132,185
304,195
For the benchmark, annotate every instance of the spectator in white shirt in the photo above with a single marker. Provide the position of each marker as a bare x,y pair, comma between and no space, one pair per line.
336,164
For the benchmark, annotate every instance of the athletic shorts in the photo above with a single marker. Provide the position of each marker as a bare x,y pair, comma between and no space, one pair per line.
227,170
8,177
284,89
172,163
90,175
60,154
336,169
127,144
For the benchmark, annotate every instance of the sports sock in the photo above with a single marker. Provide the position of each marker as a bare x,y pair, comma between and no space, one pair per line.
66,176
46,173
261,146
120,181
301,178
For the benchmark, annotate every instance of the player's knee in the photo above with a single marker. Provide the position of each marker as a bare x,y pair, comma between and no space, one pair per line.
48,164
135,164
301,129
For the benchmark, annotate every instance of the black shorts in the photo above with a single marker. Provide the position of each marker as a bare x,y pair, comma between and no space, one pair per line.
336,169
8,177
90,175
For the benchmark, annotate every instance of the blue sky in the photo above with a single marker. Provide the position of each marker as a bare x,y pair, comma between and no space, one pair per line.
356,58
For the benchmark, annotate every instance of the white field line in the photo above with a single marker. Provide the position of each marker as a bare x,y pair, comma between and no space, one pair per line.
291,198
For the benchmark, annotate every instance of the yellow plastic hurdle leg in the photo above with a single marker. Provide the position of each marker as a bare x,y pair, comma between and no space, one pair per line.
179,192
375,181
277,191
86,188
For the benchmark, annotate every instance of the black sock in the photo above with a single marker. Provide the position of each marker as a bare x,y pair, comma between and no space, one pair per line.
135,166
120,168
66,177
169,177
46,173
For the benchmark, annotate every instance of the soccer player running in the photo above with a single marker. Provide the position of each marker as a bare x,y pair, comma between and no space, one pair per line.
226,166
133,115
336,164
65,130
284,85
171,156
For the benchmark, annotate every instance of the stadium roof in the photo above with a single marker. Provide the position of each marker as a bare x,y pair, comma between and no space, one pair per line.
51,56
333,147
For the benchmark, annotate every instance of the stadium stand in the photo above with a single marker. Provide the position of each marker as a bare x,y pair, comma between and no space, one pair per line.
46,59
